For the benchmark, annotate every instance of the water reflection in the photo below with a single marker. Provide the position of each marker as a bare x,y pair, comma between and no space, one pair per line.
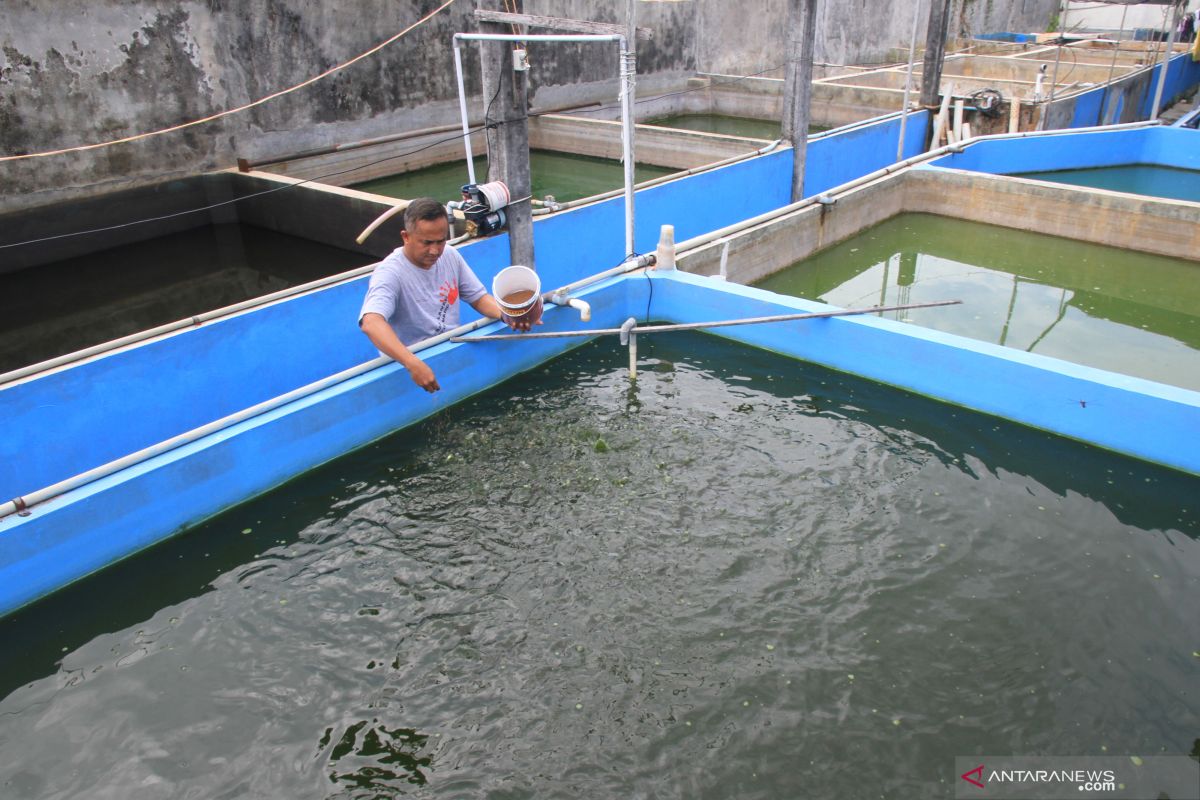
1114,309
372,757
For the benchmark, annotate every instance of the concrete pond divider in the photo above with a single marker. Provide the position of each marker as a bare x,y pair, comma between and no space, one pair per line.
125,401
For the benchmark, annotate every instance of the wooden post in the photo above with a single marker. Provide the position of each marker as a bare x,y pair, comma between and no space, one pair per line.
797,88
505,97
935,51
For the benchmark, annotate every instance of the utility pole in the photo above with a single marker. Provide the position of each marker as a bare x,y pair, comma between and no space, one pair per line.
797,86
935,52
506,101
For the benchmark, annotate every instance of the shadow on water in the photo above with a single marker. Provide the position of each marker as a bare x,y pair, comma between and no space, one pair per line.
371,760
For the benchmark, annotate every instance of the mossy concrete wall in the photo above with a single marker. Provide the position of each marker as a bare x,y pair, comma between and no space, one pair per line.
76,72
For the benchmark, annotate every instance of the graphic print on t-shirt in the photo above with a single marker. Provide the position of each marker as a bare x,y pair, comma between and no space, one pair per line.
449,294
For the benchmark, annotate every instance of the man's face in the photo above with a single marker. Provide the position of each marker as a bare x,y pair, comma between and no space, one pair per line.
423,245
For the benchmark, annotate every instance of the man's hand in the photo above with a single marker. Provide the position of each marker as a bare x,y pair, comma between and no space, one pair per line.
423,376
520,323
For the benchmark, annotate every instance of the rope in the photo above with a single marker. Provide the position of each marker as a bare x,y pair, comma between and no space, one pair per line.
239,109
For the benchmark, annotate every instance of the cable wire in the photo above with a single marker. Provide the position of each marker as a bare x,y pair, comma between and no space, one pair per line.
316,178
239,109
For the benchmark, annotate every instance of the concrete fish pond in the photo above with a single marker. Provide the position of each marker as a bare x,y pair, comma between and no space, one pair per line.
792,566
565,176
1106,307
73,533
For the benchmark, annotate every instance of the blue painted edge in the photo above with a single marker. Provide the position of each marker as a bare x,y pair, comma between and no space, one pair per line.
1124,414
1162,146
70,537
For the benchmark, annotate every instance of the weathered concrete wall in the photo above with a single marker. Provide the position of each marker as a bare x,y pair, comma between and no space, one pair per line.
747,38
84,71
1106,218
76,72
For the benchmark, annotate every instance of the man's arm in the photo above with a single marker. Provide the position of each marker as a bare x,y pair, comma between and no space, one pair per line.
384,338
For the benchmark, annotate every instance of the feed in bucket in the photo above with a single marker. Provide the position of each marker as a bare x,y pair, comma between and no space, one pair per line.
518,291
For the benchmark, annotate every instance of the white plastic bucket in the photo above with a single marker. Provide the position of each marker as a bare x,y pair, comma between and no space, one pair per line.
518,290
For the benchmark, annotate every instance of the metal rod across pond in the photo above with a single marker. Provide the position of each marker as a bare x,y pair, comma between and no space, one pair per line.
686,326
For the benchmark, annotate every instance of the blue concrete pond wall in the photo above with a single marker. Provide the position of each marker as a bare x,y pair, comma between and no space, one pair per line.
84,530
1168,147
123,402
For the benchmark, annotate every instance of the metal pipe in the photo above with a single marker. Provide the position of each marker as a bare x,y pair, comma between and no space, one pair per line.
632,330
462,110
1168,53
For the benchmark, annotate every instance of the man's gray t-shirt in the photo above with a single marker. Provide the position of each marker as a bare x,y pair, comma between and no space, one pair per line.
419,303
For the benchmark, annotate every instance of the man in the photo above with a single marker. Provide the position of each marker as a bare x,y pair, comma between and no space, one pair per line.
414,293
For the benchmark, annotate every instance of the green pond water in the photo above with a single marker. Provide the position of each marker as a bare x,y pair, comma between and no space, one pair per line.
567,177
61,307
1147,179
1104,307
744,577
730,126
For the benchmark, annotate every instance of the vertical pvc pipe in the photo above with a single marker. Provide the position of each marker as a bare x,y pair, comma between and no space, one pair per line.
627,90
462,108
912,55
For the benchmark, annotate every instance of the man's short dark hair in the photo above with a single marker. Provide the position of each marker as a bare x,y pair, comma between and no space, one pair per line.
423,209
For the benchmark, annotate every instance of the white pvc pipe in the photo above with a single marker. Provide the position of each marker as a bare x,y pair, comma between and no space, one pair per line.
738,227
540,37
627,90
190,322
462,109
62,487
382,218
